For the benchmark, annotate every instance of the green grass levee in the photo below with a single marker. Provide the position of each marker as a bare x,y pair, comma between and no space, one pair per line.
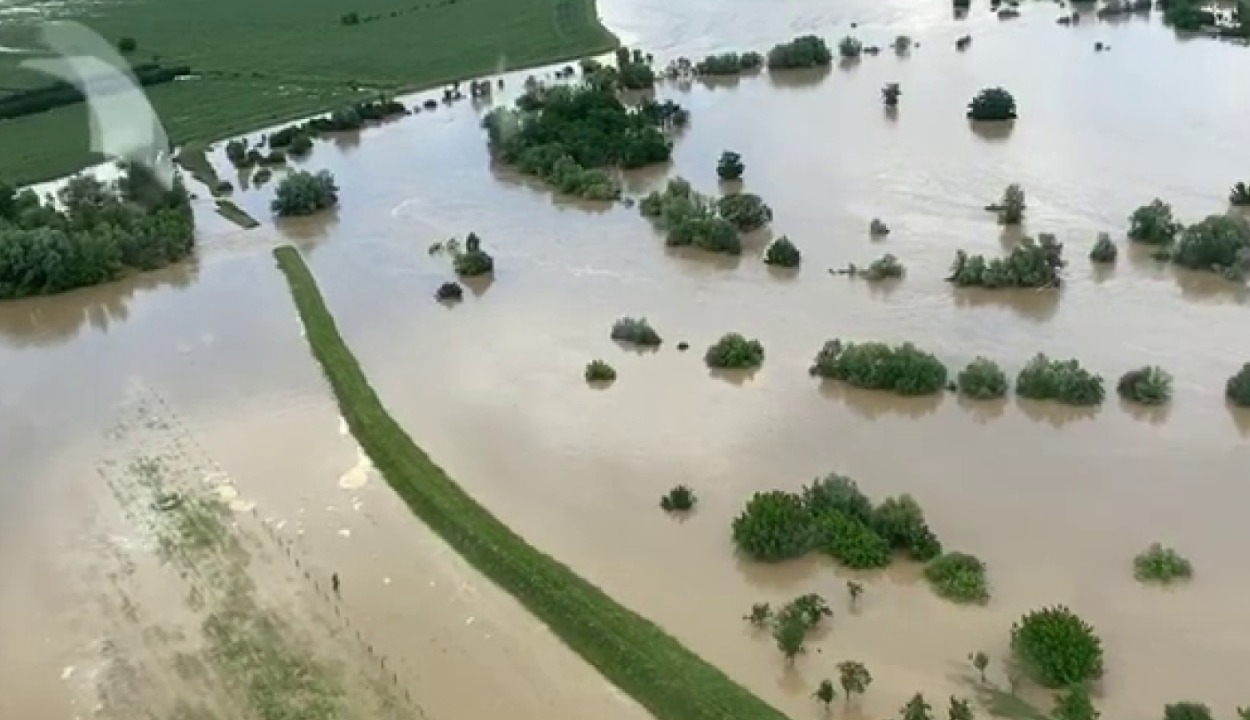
631,651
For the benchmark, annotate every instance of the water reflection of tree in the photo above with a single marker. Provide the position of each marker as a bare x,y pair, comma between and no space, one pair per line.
733,377
51,320
1198,285
992,131
1153,414
805,78
983,411
873,404
536,186
1241,418
1055,414
313,227
1036,305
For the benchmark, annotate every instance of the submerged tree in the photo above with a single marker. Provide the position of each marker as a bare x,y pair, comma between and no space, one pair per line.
761,614
890,93
1010,209
734,352
783,253
1240,195
1057,648
1075,704
982,379
1064,381
825,693
850,47
303,193
980,661
992,104
747,211
679,499
917,708
1153,224
598,371
790,632
1148,385
1218,243
960,709
854,678
1031,264
854,590
730,166
806,51
1162,565
1186,710
1104,250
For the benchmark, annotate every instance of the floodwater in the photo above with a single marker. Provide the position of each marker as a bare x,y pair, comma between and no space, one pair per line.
1056,502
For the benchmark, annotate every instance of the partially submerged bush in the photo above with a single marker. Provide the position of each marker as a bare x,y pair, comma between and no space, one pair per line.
810,608
885,267
982,379
1237,390
598,371
729,63
691,218
747,211
1104,250
679,499
1162,565
783,253
1149,385
734,352
473,260
303,193
850,47
992,104
635,330
878,228
1153,224
730,166
901,522
850,541
1239,196
1057,648
1010,208
1219,243
1031,264
904,369
958,576
807,51
890,93
1064,381
1186,710
450,291
775,525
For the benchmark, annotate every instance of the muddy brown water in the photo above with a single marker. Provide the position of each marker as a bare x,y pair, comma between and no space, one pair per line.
1056,502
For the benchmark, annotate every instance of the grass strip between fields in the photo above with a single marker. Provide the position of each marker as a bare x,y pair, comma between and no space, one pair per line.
669,680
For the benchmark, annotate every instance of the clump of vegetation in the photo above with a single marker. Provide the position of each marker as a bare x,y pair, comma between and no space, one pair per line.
1031,264
1057,648
825,693
992,104
854,590
1149,385
679,499
449,291
598,371
1153,224
1104,250
303,193
761,615
850,47
691,218
883,268
91,233
570,135
904,369
1010,209
1237,390
633,71
877,228
1064,381
730,166
734,352
1161,565
959,709
982,379
1239,196
832,515
902,44
747,211
807,51
980,661
958,576
637,331
793,622
1187,15
854,678
1186,710
730,63
783,253
1075,702
473,260
917,708
1219,243
890,93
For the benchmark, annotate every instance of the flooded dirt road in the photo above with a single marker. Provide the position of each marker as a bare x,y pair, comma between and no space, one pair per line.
1057,503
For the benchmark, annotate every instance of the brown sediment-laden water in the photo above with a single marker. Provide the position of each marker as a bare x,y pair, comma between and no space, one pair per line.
1056,501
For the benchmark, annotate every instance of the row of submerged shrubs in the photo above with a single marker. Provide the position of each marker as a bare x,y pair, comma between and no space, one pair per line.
1217,243
571,136
832,515
1031,264
91,232
60,94
903,369
297,140
691,218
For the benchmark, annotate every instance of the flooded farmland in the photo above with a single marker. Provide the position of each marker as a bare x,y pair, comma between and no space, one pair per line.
1056,502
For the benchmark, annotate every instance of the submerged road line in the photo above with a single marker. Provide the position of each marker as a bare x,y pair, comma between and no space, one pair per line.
632,652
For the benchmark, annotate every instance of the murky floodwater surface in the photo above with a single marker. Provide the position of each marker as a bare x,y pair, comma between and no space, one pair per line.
1056,503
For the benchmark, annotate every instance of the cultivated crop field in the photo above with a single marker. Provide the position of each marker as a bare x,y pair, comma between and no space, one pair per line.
258,63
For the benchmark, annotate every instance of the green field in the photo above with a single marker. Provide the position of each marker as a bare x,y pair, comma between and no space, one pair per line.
632,652
264,62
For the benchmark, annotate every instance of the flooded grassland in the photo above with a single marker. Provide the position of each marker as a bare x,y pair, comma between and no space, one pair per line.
1055,502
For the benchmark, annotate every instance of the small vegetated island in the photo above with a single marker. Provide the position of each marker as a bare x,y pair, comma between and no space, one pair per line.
573,136
91,233
1218,243
904,369
734,352
805,51
1031,264
833,516
691,218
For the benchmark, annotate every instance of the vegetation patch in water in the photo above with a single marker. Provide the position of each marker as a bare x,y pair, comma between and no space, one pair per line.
1104,250
92,233
472,261
598,371
1239,196
959,577
783,253
1148,385
1153,224
679,499
1063,381
1031,264
1161,564
571,136
1237,389
303,193
1186,710
903,369
992,104
1057,648
730,63
690,218
735,352
1218,244
806,51
636,655
637,331
982,379
730,166
747,211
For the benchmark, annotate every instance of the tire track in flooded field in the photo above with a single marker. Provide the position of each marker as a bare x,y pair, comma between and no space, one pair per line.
234,656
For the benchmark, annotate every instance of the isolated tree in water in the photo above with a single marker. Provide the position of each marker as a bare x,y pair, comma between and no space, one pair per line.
854,678
980,661
854,590
960,709
789,634
730,166
1075,704
916,709
303,193
890,94
825,693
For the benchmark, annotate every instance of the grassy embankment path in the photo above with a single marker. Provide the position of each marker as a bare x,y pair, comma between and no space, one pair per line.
259,64
655,669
